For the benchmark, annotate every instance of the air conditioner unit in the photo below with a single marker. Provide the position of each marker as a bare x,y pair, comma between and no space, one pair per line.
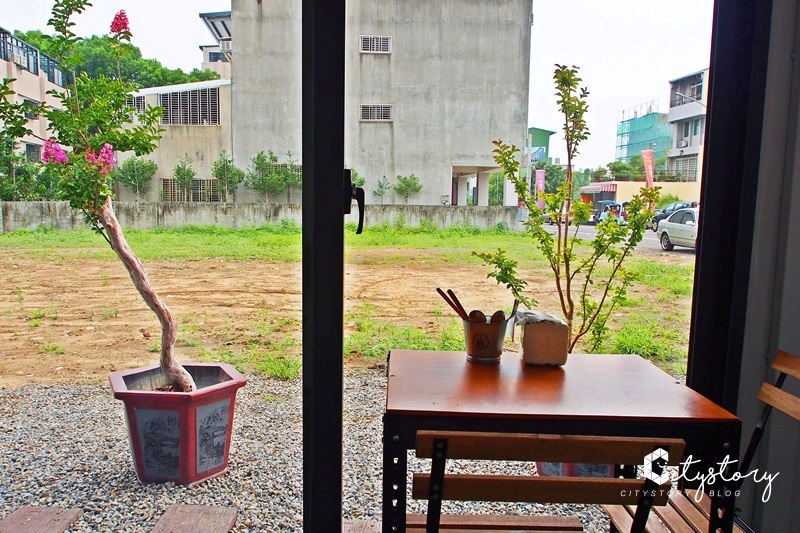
225,46
683,144
20,60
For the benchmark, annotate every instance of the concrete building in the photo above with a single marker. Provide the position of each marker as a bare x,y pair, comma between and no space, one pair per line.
687,115
430,84
196,123
35,74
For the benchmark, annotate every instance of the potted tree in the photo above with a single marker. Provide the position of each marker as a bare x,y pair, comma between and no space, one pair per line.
179,417
590,280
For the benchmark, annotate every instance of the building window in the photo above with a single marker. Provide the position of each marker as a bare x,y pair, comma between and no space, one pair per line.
31,109
136,102
376,44
697,126
213,57
376,113
686,126
33,152
686,168
203,190
199,107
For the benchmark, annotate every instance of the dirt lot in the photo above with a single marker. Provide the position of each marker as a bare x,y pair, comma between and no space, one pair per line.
75,319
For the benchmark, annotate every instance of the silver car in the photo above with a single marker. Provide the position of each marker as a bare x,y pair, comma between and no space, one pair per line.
680,229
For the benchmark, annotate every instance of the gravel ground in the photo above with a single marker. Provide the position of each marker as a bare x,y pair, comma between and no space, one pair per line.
67,446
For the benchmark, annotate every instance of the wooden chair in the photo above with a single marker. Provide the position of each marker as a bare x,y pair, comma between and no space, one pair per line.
443,445
689,511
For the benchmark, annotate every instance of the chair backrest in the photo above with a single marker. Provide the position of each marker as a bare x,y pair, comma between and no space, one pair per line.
774,396
443,445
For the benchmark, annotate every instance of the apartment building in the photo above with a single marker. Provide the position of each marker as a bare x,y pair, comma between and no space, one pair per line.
687,116
34,74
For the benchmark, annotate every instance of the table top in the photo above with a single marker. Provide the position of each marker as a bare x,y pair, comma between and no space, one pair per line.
589,386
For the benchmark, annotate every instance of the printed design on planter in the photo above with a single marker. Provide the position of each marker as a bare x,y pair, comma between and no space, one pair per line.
159,435
480,341
212,433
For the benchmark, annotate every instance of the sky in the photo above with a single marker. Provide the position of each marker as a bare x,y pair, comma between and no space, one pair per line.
627,50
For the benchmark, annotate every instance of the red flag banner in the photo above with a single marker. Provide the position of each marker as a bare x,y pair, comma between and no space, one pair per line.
648,158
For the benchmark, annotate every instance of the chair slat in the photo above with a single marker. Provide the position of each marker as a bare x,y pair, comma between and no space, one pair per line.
691,514
654,525
780,399
498,522
787,363
471,487
673,520
619,516
561,448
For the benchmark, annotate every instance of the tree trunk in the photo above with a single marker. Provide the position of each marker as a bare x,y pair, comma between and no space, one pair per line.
176,374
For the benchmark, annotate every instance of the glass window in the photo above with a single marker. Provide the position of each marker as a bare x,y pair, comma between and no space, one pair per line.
686,128
697,126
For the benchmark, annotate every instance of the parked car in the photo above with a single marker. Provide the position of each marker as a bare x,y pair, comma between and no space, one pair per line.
680,229
661,214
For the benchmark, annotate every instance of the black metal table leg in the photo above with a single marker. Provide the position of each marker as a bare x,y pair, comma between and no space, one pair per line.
395,467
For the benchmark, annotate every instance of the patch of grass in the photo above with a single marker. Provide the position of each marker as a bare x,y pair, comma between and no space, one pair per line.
676,280
374,338
104,279
51,348
660,339
155,347
38,313
35,322
109,313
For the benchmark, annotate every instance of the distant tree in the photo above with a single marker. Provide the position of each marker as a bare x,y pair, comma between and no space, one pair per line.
228,175
600,174
95,57
137,174
407,185
381,188
184,174
579,179
357,180
292,174
264,175
621,171
496,188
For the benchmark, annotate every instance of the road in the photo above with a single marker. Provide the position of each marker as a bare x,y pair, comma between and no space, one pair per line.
649,242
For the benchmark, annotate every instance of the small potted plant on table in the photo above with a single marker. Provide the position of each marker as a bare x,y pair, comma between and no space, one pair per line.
179,417
590,280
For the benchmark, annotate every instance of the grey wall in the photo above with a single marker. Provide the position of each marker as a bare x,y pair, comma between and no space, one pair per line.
457,78
773,305
149,215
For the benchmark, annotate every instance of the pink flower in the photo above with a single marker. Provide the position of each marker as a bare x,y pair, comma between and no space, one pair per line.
53,153
120,23
104,160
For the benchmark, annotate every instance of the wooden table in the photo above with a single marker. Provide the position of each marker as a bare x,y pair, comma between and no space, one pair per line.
591,395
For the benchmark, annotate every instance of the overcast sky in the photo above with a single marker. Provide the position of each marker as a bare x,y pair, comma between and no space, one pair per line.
627,50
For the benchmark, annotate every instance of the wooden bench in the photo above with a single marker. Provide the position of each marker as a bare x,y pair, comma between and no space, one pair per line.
33,519
689,512
195,519
437,486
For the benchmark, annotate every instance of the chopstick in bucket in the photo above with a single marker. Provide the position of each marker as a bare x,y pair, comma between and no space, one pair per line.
458,311
463,312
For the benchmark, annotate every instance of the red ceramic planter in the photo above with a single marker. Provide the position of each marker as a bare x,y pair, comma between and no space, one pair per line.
179,436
